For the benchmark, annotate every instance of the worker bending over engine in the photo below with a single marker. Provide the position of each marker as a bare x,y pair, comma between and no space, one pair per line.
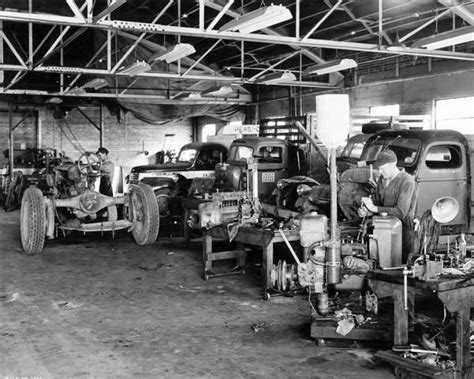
395,195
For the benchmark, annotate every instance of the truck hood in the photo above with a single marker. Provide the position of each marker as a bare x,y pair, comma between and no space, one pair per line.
166,167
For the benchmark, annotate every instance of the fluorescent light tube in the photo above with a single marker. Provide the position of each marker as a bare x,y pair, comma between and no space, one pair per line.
76,91
218,91
188,96
96,84
332,66
258,19
178,51
276,77
137,68
450,38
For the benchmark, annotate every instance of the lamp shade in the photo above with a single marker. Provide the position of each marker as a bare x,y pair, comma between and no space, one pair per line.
333,119
445,209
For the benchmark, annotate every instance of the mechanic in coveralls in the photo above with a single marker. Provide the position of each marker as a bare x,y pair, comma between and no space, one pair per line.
107,169
395,195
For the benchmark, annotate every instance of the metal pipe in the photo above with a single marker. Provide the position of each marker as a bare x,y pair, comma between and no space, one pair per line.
333,252
282,233
10,155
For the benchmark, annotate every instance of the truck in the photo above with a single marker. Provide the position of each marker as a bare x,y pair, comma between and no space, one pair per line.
440,161
171,180
276,159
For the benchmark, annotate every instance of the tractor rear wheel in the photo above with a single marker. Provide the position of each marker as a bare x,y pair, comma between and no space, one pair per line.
33,221
144,214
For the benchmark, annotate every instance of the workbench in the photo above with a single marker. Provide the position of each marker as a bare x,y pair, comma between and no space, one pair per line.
250,236
457,295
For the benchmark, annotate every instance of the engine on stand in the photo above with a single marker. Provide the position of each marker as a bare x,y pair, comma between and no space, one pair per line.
376,243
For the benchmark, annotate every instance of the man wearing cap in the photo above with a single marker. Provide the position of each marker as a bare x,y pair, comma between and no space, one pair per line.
107,169
395,195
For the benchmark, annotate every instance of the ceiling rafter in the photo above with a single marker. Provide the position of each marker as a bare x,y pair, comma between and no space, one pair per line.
195,70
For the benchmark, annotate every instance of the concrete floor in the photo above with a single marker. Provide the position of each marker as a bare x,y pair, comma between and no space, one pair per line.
112,309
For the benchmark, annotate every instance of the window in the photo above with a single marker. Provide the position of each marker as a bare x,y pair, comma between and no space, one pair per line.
405,149
385,110
187,155
208,130
443,157
240,153
455,114
270,154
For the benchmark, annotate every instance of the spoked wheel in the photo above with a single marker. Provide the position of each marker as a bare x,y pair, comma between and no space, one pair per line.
33,221
89,164
144,214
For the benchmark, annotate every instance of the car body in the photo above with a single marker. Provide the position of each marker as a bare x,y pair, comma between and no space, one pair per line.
276,159
173,180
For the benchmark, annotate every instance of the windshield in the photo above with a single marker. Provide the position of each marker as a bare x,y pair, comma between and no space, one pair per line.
406,149
353,150
240,153
187,155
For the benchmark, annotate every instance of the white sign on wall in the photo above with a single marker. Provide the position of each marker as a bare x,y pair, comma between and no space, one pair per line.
247,129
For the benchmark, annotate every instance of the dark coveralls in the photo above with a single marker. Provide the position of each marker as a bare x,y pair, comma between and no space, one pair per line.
398,199
105,186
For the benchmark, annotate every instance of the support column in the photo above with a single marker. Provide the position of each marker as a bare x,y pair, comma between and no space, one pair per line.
101,126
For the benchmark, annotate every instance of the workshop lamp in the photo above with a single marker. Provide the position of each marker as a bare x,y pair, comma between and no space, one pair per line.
450,38
332,66
258,19
276,77
96,84
75,91
188,96
218,91
178,51
137,68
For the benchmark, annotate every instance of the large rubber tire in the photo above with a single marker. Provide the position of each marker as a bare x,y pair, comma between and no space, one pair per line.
144,214
33,221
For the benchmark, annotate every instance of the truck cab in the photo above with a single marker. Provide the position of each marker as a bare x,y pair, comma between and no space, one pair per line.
195,160
439,160
276,159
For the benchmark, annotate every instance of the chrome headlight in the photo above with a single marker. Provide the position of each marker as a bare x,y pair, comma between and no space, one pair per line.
303,189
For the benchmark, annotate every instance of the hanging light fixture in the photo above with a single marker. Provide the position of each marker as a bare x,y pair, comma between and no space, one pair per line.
450,38
136,68
332,66
276,77
178,51
258,19
218,91
96,83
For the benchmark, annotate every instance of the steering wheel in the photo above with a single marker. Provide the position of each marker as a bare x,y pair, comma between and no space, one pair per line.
89,164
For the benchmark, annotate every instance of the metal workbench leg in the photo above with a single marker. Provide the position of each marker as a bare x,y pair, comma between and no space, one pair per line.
267,257
241,259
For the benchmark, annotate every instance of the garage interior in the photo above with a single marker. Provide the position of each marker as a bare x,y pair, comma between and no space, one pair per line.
143,78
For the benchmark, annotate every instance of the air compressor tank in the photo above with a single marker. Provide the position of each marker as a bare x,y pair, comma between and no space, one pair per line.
386,241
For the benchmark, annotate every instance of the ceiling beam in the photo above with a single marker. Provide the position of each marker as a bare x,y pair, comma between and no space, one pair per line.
235,36
309,54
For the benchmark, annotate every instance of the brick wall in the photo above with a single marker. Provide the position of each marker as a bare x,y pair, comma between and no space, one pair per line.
74,133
